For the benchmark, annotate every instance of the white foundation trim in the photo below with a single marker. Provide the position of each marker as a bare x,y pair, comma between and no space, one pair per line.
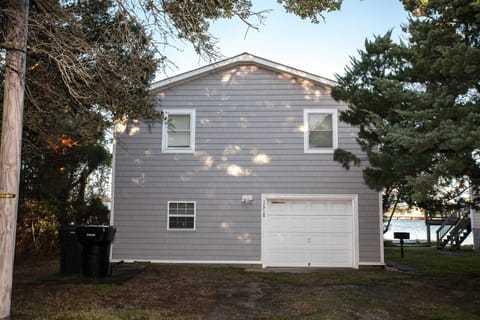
187,261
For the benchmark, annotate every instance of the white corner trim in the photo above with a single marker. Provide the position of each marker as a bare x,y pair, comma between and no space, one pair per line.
112,186
112,182
380,213
119,128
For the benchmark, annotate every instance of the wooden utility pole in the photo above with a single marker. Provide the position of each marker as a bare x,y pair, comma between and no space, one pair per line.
11,142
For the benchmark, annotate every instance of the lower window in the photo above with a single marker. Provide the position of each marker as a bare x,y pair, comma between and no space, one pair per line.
181,215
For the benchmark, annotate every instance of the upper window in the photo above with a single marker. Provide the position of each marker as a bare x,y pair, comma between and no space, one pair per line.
181,215
320,130
179,131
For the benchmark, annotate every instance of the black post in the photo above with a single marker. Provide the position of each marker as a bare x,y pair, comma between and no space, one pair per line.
401,236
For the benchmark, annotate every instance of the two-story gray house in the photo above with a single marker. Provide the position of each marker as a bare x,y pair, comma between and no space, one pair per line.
241,171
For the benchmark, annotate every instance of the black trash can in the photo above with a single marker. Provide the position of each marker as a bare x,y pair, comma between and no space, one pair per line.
70,249
96,249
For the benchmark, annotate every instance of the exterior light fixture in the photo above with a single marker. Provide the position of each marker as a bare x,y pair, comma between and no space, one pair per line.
247,199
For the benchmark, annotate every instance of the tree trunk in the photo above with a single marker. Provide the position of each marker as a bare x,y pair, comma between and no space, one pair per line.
11,141
387,227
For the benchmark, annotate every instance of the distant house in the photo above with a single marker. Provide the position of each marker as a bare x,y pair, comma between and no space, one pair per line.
241,171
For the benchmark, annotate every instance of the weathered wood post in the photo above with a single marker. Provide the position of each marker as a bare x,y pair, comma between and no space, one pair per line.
11,141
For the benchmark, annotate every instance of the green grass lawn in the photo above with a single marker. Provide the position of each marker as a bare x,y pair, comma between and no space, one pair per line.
455,275
438,263
446,288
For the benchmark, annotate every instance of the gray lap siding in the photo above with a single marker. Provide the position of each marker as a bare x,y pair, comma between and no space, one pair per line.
249,141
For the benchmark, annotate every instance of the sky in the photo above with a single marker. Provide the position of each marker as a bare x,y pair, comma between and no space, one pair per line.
323,49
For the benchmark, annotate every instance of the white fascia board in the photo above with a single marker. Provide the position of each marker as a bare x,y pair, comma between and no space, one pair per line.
296,72
240,59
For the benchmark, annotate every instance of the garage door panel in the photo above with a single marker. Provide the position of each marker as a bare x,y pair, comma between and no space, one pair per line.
282,257
331,258
298,206
309,233
340,224
283,207
287,240
344,240
308,224
287,261
287,223
316,225
331,207
330,241
329,223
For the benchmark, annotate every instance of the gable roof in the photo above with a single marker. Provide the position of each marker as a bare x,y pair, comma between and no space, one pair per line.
241,59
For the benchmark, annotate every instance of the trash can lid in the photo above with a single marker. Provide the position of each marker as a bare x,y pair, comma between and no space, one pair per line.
95,233
67,227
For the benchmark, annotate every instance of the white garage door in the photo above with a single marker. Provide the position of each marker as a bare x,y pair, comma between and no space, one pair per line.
309,233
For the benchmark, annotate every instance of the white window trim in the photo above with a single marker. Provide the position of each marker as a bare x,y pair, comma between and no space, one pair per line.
194,216
165,147
306,147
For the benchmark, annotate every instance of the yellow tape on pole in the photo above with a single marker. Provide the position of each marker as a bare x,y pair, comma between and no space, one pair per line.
7,195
